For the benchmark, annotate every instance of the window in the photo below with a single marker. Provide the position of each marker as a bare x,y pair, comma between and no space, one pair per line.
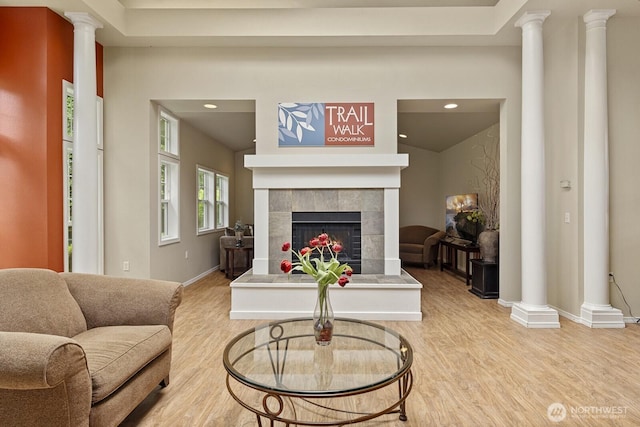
222,201
168,179
169,211
168,141
206,200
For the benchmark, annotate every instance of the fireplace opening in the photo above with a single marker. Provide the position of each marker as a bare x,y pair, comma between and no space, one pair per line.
342,227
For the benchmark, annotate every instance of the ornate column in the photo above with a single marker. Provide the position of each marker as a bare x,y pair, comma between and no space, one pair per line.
85,145
596,312
533,311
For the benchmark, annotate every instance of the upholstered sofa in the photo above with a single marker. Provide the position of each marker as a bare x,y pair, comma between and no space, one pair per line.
79,349
419,245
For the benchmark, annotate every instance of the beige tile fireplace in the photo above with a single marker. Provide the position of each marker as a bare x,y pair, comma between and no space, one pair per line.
368,183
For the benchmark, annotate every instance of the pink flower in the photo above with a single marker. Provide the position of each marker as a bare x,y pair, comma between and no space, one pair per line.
337,247
343,281
286,266
324,237
314,242
286,246
304,250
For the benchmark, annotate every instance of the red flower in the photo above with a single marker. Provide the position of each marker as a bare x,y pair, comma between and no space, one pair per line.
343,281
337,247
286,246
324,238
314,242
304,250
286,266
348,272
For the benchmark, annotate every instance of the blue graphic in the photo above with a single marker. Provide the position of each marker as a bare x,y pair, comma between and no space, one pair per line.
300,124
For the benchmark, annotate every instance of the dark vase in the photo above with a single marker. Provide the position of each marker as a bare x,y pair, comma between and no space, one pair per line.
489,242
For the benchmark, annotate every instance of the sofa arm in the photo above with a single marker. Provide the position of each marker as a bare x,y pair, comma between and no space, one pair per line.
38,361
111,301
429,252
434,239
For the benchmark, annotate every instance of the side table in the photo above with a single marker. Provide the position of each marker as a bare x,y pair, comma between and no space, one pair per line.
484,282
231,265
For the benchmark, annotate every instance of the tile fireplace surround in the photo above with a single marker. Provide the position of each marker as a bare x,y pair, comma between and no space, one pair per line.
368,183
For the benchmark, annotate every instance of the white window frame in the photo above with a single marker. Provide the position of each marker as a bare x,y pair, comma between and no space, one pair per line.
205,197
172,140
222,201
170,216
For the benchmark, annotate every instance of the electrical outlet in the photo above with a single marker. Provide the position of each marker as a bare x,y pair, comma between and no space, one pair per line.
125,266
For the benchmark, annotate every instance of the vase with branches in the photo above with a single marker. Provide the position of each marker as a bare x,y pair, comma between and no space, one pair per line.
487,183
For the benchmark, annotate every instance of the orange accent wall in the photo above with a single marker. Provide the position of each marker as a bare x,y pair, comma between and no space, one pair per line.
37,54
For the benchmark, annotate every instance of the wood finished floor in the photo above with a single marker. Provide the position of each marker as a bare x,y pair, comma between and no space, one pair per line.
473,366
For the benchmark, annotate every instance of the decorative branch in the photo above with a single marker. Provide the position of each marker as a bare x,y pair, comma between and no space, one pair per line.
487,183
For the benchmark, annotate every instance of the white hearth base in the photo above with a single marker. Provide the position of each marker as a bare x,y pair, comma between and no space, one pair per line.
366,297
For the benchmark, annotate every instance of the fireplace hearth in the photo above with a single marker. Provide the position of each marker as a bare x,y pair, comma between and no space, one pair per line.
342,227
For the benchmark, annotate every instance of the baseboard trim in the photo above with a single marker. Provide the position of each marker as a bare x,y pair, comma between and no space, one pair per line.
200,276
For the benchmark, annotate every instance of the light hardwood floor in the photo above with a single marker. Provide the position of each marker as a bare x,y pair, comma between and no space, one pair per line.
473,366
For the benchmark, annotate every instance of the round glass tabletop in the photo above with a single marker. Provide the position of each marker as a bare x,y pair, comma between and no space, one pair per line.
283,357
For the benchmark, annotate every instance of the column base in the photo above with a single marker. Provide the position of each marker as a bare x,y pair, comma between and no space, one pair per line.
601,316
532,316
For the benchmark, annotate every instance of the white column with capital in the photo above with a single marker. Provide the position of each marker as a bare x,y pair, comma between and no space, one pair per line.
596,312
533,311
85,145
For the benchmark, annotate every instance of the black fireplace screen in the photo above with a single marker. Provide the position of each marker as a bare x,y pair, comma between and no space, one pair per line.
342,227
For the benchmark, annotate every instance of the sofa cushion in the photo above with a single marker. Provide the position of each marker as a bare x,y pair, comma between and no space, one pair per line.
117,353
38,301
411,248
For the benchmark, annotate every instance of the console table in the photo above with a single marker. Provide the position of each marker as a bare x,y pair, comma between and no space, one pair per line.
450,247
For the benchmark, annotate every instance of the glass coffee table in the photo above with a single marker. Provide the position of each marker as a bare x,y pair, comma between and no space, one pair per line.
278,372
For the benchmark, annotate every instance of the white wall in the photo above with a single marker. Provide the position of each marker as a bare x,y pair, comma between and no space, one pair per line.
420,195
243,189
623,36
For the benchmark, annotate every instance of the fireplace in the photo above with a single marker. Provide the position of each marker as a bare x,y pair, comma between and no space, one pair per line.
342,227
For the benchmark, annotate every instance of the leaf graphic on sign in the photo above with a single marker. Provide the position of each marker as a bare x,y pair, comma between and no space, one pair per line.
295,120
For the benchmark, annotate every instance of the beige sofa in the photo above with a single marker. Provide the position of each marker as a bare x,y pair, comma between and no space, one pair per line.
79,349
419,245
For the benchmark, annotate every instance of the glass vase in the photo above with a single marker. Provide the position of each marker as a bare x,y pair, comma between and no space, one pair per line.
323,317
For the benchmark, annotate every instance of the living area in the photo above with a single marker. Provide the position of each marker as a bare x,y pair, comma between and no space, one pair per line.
466,348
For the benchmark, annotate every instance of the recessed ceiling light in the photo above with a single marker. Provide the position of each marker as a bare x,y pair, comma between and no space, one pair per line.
211,106
402,135
451,106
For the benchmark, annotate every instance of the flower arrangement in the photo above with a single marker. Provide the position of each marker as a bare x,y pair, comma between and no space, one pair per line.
325,273
476,216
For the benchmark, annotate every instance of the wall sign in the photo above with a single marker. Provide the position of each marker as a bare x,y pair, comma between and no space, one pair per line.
325,124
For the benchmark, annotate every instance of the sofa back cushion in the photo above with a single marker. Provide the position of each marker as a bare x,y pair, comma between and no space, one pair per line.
38,301
416,234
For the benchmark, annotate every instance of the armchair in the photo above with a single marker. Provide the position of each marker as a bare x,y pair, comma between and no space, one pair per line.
419,244
81,349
